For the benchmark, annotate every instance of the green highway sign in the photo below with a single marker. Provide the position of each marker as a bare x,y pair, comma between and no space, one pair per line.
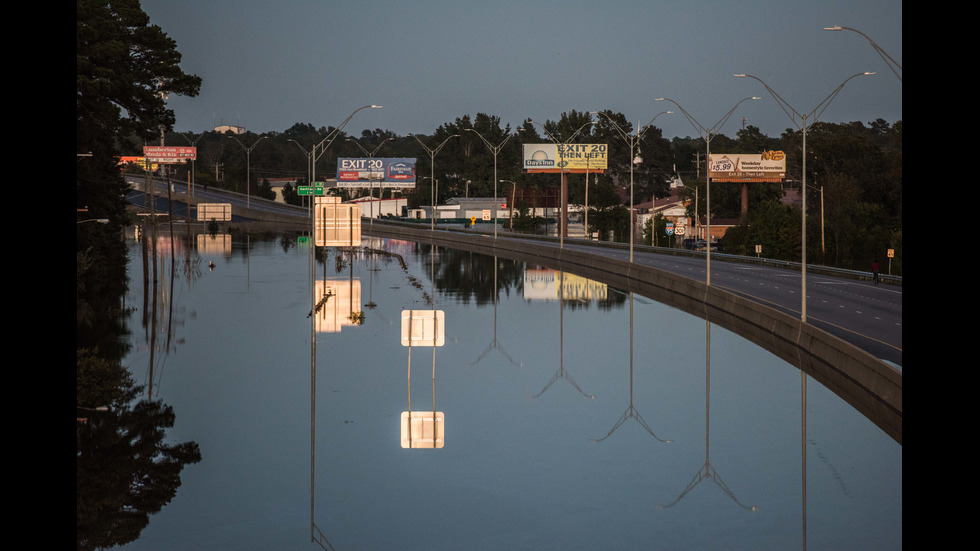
309,190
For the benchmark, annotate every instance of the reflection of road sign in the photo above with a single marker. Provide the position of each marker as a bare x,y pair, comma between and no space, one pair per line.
219,212
423,328
423,429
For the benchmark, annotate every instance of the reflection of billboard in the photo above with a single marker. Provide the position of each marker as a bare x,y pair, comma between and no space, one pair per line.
385,173
337,303
571,157
546,284
768,166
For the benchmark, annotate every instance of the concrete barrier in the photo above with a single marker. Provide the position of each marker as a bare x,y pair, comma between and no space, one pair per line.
868,384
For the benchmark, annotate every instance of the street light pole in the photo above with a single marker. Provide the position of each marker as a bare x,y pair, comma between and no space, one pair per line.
495,149
432,173
560,146
632,142
371,156
706,133
800,120
248,168
309,158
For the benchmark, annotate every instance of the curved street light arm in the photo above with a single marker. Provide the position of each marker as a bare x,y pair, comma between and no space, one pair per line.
697,126
643,129
495,149
884,55
371,154
332,135
792,113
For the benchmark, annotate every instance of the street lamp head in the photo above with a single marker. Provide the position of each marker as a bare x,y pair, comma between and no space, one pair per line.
834,28
376,106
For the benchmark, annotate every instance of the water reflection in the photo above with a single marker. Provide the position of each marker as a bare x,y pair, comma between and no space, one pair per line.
707,471
520,466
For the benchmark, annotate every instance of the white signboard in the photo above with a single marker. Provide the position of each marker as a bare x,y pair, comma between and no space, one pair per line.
219,212
336,224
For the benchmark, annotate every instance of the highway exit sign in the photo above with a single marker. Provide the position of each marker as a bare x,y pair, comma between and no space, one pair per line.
309,190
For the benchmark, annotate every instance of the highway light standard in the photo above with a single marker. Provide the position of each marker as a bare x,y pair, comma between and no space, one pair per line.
323,145
800,120
888,59
706,133
495,149
432,172
560,146
632,142
248,168
371,156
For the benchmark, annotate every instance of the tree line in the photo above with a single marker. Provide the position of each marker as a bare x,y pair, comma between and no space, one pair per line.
854,175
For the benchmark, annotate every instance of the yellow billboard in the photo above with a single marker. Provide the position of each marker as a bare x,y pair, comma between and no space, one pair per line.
579,157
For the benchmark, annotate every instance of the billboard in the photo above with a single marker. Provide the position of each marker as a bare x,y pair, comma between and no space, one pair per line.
167,155
768,166
385,172
545,157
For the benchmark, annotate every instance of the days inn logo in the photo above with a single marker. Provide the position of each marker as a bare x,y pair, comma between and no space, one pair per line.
540,159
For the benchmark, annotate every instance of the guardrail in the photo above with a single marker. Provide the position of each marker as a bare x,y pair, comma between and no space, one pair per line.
797,266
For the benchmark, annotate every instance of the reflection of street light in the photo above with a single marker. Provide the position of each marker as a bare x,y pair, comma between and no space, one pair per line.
495,149
432,163
248,154
888,59
802,125
706,134
632,142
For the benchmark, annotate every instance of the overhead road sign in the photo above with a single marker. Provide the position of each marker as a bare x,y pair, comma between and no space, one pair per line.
381,172
169,155
574,158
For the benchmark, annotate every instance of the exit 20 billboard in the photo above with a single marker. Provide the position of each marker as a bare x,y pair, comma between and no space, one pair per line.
383,172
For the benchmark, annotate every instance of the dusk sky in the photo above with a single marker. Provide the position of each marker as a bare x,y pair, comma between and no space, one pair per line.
269,65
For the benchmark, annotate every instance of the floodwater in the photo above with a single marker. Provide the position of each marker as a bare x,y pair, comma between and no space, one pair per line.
601,421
